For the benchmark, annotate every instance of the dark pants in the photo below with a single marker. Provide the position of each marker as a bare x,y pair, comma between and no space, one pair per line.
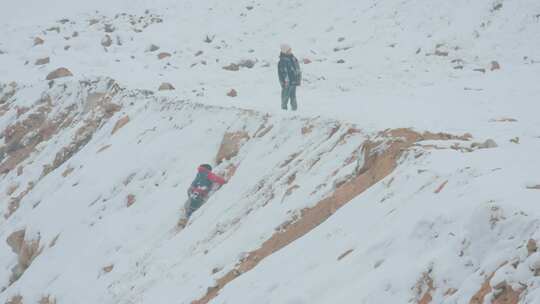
194,202
288,92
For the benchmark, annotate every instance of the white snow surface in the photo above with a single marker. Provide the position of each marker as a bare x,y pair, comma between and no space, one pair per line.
406,64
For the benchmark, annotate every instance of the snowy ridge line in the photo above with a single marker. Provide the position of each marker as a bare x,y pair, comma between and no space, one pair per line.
362,59
69,115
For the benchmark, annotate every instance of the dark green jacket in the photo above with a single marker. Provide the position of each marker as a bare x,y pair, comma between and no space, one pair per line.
289,70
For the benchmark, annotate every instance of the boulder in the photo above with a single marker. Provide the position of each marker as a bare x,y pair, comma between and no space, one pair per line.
54,29
152,48
441,53
232,67
130,200
531,247
163,55
17,299
109,28
15,240
232,93
59,73
106,41
108,269
38,41
47,300
247,63
488,144
42,61
495,66
165,86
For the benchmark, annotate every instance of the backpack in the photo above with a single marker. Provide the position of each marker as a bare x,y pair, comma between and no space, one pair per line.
201,181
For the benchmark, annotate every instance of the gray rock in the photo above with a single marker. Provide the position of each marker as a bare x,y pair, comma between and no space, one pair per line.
166,87
106,41
59,73
42,61
153,48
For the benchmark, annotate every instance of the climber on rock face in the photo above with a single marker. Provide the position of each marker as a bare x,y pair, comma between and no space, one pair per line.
200,188
290,76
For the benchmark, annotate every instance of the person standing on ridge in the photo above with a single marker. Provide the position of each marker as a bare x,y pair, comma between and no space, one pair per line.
290,76
200,188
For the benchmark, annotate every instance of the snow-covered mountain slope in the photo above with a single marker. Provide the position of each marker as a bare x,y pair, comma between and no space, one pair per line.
408,175
92,209
381,64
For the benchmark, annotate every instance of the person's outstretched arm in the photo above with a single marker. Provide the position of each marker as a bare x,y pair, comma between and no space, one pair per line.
216,178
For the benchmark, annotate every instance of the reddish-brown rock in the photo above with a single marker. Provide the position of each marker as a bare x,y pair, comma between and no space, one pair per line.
59,73
108,269
163,55
230,145
130,200
38,41
120,123
232,93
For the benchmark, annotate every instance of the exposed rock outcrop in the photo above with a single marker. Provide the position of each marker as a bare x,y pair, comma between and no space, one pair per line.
17,299
424,289
380,159
120,123
230,145
40,123
26,249
47,300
